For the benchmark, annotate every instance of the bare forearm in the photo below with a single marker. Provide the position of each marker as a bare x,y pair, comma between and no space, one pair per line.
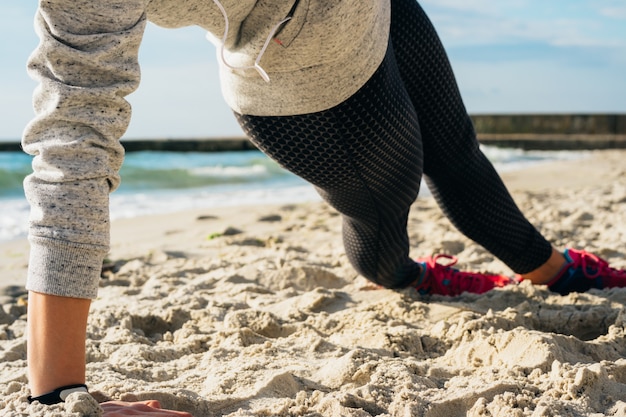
56,341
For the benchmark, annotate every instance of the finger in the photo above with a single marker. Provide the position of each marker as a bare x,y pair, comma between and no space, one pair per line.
139,408
152,403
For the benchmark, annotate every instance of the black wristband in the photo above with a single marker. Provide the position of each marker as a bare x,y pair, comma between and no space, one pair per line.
58,395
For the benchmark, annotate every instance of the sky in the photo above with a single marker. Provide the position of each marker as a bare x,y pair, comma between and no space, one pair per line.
513,56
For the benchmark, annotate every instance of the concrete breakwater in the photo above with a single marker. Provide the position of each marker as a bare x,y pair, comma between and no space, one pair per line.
552,131
526,131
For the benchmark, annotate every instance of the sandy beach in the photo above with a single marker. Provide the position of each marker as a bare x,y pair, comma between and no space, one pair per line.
255,311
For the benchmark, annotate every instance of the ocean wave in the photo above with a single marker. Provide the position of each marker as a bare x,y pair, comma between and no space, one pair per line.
156,182
14,167
221,172
174,170
11,182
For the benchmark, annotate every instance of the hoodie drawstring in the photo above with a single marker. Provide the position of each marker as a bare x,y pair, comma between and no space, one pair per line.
257,61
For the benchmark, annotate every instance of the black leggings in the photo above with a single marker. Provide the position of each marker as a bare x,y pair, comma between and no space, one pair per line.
367,155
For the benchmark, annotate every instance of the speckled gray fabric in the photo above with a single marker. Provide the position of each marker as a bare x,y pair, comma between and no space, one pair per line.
86,63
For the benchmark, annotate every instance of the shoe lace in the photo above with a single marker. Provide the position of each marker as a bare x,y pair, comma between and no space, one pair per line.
590,262
453,280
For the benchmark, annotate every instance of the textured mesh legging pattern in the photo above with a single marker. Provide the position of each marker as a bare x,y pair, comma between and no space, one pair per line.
367,155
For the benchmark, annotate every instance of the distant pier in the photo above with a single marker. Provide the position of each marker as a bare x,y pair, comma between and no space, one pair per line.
525,131
552,131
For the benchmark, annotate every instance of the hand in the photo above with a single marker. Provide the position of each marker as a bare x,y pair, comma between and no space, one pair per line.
141,408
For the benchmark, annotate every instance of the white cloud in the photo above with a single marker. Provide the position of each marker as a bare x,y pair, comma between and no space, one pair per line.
616,12
482,22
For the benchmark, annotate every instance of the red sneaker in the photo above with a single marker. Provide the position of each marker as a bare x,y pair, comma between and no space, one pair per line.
442,279
584,271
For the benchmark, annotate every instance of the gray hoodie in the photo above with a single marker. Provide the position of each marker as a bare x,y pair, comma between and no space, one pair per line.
86,63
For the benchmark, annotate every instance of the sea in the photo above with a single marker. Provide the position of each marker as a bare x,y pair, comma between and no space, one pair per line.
161,182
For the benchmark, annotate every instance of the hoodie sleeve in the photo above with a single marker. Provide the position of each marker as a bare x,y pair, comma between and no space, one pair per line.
85,63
